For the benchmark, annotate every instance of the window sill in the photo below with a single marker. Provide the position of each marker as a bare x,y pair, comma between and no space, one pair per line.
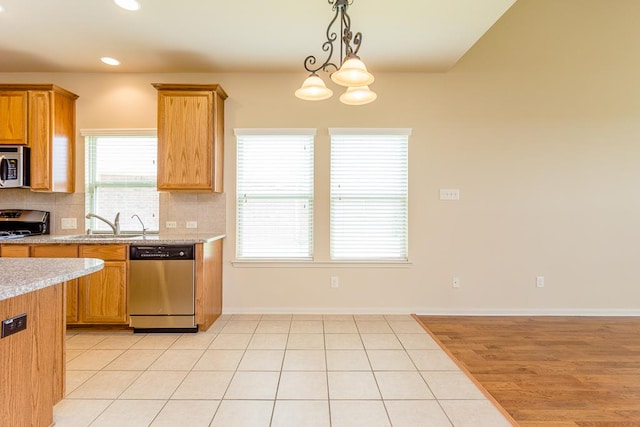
319,264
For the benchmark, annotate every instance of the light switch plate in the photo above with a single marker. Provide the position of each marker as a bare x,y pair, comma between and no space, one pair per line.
171,224
192,224
449,194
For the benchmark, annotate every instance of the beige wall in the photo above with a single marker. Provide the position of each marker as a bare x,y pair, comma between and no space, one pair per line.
537,125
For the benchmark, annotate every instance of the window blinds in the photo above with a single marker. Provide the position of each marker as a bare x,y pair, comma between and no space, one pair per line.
121,177
274,195
369,195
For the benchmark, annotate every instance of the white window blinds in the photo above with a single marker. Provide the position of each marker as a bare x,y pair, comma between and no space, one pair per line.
120,176
274,194
369,194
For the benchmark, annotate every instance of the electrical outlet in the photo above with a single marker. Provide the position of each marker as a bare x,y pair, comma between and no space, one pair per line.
449,194
455,282
192,224
335,282
171,224
539,281
69,223
13,325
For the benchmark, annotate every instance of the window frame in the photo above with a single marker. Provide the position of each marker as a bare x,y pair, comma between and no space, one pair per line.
248,133
88,134
402,199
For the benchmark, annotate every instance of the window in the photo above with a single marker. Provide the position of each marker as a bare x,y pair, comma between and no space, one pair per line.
120,176
369,195
274,194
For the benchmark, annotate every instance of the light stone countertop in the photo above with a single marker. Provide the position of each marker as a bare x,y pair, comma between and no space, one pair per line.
19,276
165,239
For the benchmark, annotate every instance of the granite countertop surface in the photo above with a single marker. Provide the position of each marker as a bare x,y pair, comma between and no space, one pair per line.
19,276
165,239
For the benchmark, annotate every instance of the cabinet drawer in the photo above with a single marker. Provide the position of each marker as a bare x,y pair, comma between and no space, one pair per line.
54,251
14,251
105,252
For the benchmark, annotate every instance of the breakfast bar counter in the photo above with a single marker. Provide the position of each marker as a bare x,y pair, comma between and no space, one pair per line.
32,354
21,275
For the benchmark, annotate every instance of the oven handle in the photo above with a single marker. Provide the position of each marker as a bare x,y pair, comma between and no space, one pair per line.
4,170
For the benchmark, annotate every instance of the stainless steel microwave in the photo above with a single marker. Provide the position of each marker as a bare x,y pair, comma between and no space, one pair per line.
15,171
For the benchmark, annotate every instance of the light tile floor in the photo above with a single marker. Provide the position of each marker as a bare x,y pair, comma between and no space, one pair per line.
271,370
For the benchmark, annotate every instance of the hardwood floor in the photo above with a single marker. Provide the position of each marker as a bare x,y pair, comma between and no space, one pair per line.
562,371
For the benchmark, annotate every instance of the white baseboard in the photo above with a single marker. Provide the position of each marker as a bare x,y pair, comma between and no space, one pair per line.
440,311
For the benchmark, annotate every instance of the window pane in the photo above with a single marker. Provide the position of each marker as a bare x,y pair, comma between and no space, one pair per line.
274,196
121,177
369,197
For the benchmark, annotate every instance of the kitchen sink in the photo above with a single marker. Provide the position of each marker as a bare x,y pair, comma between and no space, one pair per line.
99,237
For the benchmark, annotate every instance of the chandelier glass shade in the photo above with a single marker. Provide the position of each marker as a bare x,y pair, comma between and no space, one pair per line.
351,71
314,89
358,95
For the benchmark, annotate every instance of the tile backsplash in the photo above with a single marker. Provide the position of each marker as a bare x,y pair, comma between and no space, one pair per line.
207,209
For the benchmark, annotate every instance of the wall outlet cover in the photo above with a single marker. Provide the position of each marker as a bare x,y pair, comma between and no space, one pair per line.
69,223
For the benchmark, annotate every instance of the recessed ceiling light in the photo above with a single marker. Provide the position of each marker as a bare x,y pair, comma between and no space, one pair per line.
110,61
128,4
1,9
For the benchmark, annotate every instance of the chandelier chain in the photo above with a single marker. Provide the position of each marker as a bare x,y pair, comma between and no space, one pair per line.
346,49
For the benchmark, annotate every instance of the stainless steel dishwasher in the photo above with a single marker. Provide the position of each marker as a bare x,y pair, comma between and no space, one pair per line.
162,288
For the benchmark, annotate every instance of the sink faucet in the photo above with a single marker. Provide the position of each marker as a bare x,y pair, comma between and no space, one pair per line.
115,225
144,230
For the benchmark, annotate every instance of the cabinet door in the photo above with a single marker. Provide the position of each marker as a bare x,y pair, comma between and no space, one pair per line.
13,117
185,140
71,286
103,294
40,139
52,141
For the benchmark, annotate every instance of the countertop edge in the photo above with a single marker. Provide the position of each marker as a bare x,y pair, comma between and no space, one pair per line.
166,239
39,273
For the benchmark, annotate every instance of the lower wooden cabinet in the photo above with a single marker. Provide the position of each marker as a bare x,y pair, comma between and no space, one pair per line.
71,286
97,299
103,295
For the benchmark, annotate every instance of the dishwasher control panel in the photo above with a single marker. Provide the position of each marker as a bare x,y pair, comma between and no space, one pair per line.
161,252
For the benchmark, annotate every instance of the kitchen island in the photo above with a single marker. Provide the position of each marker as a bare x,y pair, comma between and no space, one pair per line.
32,360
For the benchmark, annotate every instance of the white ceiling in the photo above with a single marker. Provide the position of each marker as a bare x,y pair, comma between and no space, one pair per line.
228,35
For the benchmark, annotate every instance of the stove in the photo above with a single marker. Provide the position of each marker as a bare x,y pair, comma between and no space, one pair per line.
18,223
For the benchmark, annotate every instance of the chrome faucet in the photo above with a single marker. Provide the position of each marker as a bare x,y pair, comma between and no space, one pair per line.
115,225
144,230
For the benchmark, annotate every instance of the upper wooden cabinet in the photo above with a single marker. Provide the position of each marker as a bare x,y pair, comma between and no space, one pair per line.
42,116
190,137
13,117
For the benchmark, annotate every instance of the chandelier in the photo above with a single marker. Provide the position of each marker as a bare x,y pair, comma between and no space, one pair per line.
351,71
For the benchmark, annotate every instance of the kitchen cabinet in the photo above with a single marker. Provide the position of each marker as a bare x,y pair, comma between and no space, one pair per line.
103,295
99,298
71,286
42,116
190,137
208,286
13,117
